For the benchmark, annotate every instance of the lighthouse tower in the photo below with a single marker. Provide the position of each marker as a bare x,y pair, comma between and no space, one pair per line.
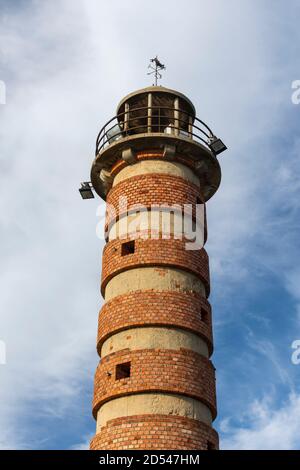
155,382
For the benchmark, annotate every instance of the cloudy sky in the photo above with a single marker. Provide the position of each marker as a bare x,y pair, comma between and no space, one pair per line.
65,65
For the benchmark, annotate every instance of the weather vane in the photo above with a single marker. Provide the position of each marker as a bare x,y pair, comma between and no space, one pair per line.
156,68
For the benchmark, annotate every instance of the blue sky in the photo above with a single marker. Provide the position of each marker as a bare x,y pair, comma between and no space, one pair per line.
66,65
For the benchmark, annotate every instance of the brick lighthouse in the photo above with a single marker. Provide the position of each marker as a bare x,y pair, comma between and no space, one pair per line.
155,382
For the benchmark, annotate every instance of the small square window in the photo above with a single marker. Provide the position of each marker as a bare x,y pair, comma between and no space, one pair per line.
210,446
127,248
123,370
204,316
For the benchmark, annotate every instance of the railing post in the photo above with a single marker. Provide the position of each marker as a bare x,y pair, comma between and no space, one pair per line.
149,120
159,129
176,116
126,117
190,129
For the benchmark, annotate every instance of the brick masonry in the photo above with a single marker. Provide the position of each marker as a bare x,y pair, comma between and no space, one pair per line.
152,190
188,311
155,432
173,371
168,252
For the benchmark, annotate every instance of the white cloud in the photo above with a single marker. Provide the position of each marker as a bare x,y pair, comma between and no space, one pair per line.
265,427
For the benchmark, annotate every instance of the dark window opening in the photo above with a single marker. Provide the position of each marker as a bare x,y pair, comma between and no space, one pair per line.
210,446
204,315
127,248
123,370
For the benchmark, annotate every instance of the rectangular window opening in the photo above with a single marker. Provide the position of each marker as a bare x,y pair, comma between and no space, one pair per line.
123,370
204,316
210,446
127,248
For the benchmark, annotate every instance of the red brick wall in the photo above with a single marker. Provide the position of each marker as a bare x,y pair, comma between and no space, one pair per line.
167,370
182,371
155,308
152,189
158,432
151,252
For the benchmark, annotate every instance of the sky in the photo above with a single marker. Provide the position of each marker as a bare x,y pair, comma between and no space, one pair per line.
64,66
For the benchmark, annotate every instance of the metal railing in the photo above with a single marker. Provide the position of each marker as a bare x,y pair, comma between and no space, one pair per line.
152,119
